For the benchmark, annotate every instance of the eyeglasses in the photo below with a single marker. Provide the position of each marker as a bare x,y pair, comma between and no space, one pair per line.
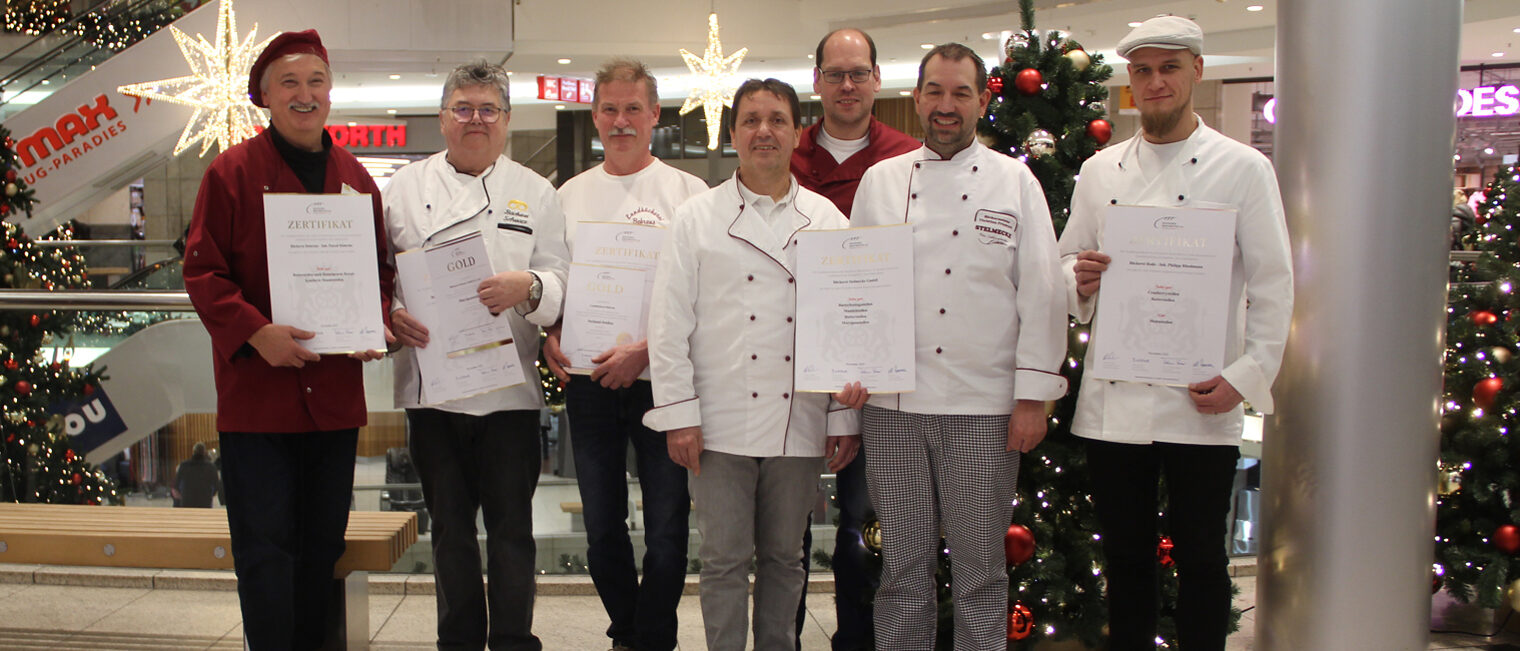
837,76
488,114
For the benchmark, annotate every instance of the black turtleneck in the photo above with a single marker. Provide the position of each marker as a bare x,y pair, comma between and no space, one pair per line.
310,166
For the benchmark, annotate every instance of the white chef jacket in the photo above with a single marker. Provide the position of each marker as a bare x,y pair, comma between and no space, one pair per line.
649,196
989,313
721,331
518,212
1212,171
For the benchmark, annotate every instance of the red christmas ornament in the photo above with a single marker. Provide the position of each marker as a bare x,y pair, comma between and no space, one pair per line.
1028,81
1485,391
76,479
1506,538
1018,544
9,143
11,242
1020,622
1484,317
10,364
1164,552
1100,130
995,84
4,209
89,389
35,320
10,175
68,455
23,387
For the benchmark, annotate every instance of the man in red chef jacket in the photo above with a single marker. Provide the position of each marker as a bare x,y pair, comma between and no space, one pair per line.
288,418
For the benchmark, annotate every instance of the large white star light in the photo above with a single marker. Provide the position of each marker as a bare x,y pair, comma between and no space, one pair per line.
713,81
217,89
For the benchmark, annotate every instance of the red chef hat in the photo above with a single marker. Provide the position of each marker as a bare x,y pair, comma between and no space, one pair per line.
304,42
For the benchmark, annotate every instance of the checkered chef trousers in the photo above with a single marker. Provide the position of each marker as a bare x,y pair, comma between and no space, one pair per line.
928,472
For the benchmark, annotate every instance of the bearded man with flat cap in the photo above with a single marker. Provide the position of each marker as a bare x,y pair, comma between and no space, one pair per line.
1137,433
288,418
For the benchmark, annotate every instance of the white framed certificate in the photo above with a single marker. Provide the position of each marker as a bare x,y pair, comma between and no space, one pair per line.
608,257
448,377
323,272
1163,305
855,309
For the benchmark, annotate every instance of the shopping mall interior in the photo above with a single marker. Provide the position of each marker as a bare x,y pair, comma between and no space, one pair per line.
122,178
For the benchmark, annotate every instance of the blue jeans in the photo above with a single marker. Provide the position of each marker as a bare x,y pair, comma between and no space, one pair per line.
603,422
853,588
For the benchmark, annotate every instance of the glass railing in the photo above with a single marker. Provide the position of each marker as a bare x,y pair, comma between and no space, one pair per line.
70,44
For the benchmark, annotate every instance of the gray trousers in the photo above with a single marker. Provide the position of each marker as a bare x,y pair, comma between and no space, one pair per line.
929,473
752,508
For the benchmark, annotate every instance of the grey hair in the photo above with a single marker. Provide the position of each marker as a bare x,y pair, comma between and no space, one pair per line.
264,77
478,73
629,70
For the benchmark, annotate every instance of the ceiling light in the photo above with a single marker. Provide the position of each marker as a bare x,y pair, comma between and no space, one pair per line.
926,46
815,97
1488,150
1517,30
353,124
810,56
509,73
987,36
1134,23
559,107
395,76
390,111
564,61
1498,55
1254,8
905,93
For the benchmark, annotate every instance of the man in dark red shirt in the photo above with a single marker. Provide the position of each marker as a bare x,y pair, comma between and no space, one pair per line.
830,160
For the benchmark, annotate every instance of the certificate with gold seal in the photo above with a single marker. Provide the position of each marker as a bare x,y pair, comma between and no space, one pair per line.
603,308
855,309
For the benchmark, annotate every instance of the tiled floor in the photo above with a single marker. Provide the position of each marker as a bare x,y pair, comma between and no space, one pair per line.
45,616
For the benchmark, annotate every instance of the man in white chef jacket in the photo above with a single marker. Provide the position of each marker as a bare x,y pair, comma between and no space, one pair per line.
1190,435
721,332
480,453
991,336
606,408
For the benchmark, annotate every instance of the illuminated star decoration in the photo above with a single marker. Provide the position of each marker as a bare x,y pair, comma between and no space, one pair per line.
218,89
713,85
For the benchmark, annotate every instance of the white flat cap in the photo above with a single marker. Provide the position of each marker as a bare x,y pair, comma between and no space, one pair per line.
1165,32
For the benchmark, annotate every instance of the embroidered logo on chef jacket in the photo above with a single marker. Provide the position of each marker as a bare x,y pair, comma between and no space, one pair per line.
646,217
515,217
993,227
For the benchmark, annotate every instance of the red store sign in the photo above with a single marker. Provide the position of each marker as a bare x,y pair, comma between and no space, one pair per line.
565,89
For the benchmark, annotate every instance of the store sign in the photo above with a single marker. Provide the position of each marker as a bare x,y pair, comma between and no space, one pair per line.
90,420
565,89
364,136
1480,102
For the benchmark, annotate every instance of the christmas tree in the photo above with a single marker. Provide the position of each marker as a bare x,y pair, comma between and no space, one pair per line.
39,464
1479,503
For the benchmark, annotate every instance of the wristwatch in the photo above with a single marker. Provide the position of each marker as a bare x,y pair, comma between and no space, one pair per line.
535,292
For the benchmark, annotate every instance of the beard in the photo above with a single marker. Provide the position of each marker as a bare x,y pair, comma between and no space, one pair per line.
1160,123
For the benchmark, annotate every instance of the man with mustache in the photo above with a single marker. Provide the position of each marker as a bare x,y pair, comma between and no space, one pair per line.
288,418
605,408
1136,432
830,160
480,453
720,351
991,336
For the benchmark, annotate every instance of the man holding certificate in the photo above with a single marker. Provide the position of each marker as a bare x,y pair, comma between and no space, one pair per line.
616,216
1157,203
990,336
491,239
288,417
721,328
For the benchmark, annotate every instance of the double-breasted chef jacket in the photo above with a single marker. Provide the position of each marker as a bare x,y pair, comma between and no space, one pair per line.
518,212
1211,171
722,326
227,277
989,306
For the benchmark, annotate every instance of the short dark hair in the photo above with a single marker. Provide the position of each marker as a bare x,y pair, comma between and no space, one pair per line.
818,55
774,86
955,52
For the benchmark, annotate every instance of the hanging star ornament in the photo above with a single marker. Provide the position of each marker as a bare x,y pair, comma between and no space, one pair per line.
218,89
714,86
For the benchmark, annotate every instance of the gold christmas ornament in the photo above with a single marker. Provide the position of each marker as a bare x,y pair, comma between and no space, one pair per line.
1500,354
1450,481
871,534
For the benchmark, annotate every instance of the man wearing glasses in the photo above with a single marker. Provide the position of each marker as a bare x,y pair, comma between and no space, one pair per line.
480,452
832,156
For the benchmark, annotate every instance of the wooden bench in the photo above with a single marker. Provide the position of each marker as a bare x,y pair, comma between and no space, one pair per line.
149,537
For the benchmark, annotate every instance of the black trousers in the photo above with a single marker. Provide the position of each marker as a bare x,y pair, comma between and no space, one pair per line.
1198,480
490,464
287,498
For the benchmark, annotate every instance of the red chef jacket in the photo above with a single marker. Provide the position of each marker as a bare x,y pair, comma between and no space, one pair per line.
227,277
816,169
